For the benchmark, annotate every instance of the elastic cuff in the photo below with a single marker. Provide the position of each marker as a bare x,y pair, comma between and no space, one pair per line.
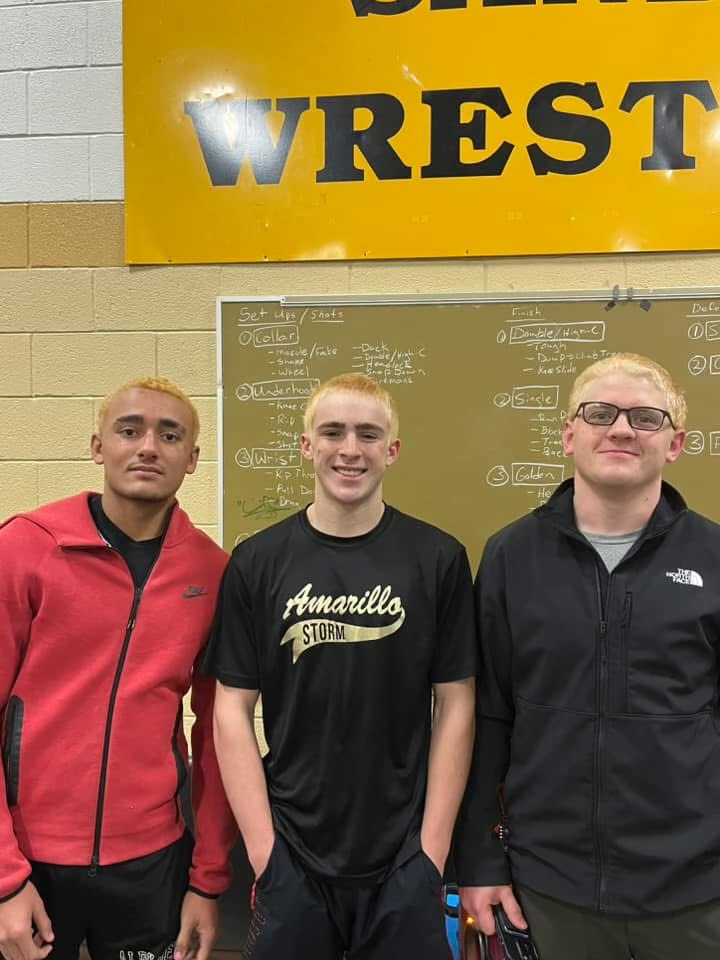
201,893
15,892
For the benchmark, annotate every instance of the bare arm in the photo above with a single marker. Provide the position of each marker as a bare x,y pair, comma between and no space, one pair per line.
450,752
242,771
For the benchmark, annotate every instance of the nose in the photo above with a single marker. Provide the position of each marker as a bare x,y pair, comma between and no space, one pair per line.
349,447
148,446
621,427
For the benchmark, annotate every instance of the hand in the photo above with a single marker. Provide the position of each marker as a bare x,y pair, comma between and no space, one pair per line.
478,903
198,928
18,915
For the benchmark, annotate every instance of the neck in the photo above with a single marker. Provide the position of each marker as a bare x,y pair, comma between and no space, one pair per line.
337,520
138,519
609,511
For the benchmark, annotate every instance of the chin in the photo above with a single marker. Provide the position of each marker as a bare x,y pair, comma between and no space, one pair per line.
148,496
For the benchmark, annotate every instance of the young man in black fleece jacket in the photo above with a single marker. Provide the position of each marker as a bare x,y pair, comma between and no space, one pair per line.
599,617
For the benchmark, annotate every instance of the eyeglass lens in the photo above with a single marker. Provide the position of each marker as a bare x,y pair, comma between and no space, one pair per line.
639,418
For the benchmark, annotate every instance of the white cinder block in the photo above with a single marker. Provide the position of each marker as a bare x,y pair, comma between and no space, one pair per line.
88,100
105,32
42,168
13,37
12,3
56,36
106,167
13,97
43,36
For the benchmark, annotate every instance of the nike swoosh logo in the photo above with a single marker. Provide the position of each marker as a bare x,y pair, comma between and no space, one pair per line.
192,592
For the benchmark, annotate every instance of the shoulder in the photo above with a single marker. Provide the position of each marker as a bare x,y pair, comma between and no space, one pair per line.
701,526
413,529
518,535
50,523
267,543
184,539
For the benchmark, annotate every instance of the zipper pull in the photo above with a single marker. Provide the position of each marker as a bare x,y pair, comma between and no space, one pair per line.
92,872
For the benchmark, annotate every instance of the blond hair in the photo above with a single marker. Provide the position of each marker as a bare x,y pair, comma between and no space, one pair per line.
361,386
161,385
633,365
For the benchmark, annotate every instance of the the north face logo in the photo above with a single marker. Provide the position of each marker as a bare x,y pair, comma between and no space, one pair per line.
689,577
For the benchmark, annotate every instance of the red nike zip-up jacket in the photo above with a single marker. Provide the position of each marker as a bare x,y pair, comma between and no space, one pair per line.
92,676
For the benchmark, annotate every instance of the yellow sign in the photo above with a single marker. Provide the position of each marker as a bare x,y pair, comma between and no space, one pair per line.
347,129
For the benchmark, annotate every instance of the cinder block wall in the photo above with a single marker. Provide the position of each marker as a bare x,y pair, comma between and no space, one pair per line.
74,321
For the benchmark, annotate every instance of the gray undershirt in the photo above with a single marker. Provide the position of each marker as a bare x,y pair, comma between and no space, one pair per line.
612,547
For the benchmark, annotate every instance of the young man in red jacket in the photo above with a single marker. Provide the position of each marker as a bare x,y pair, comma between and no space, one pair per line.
106,602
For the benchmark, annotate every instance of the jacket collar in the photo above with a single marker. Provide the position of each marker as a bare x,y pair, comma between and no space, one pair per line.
559,509
71,524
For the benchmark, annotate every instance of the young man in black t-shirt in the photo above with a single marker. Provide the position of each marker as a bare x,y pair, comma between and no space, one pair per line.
346,617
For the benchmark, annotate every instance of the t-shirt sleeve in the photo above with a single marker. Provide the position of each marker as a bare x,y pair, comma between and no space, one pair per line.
456,656
232,655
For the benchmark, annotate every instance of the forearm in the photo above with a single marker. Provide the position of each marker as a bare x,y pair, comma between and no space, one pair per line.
243,776
479,855
449,763
215,827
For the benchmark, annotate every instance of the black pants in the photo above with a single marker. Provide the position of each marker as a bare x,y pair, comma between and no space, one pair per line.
298,916
126,911
564,932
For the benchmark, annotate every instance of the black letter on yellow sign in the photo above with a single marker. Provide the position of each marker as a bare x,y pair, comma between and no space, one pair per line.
341,138
383,8
546,121
227,130
447,130
389,8
668,117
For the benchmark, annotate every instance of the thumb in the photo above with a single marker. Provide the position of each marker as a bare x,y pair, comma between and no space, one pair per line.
513,911
42,920
182,943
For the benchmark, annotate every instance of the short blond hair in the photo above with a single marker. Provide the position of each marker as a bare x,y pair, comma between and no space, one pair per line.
360,385
633,365
160,385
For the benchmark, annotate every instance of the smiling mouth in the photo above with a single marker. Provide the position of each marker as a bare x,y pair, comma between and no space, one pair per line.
350,472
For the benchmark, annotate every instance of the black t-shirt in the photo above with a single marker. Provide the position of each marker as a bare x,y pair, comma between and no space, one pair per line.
140,555
344,637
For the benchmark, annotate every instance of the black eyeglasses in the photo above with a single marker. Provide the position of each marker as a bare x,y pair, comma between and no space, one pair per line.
640,418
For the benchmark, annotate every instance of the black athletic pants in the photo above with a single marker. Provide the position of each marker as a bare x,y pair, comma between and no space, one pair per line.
126,911
298,916
564,932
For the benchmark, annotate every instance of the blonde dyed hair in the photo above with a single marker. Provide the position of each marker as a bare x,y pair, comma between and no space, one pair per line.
160,385
361,386
633,365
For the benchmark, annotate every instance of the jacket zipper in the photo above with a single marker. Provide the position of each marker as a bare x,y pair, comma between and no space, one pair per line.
11,748
180,768
100,809
600,736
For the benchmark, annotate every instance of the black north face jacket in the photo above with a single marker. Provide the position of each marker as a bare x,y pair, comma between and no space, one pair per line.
598,709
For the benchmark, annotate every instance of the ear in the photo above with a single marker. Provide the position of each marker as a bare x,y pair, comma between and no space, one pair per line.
306,446
393,453
567,438
193,461
676,445
96,449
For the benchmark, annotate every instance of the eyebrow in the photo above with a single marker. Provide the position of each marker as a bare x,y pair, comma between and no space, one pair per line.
338,425
135,419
